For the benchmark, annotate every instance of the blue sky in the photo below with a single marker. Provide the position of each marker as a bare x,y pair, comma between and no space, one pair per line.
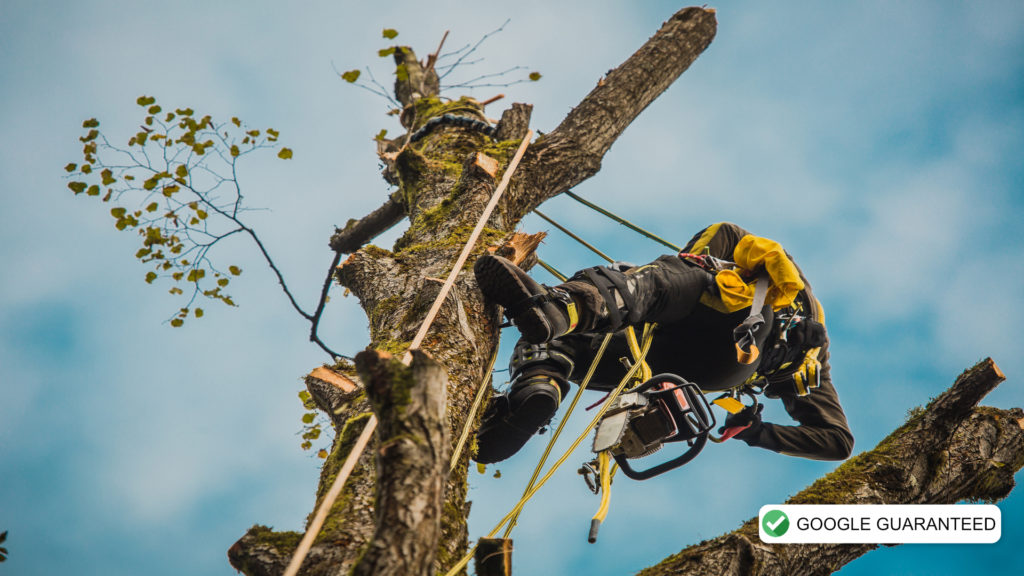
880,142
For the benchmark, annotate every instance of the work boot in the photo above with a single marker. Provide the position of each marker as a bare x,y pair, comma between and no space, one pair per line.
541,313
512,419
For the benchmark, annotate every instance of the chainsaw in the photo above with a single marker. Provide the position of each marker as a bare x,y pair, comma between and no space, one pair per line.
666,408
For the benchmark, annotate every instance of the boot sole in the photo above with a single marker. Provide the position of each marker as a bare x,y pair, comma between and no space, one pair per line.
500,440
499,281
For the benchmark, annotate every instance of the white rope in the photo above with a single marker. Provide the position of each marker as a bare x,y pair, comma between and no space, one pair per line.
468,248
371,423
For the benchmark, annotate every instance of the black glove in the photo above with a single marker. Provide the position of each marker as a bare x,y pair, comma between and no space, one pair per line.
749,419
806,335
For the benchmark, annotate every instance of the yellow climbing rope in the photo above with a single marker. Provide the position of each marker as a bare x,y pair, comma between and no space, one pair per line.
645,347
477,401
561,426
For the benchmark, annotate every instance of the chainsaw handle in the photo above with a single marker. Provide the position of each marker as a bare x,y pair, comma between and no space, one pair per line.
653,471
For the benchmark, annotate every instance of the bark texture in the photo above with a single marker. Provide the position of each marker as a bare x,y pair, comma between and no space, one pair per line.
952,450
412,453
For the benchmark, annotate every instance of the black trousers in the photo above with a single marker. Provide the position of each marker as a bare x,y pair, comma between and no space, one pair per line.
691,340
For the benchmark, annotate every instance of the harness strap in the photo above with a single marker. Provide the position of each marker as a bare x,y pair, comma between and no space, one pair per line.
605,279
746,345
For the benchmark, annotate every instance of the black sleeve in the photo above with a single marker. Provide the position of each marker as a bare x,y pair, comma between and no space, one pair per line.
822,433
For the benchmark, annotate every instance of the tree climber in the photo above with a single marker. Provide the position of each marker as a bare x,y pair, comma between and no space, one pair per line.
700,299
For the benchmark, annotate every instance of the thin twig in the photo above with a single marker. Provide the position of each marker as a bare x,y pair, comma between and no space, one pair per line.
313,336
475,46
432,59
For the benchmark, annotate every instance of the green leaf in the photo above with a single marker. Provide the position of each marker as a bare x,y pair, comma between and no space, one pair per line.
305,396
198,312
118,212
150,276
181,171
236,121
70,167
143,252
154,110
196,274
389,33
108,177
235,151
534,76
93,190
380,135
322,454
201,214
350,76
145,101
77,187
90,136
170,189
235,270
285,153
177,322
91,123
306,445
223,282
152,207
308,417
385,52
176,290
86,169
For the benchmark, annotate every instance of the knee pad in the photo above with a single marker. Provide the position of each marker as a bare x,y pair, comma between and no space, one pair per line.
549,359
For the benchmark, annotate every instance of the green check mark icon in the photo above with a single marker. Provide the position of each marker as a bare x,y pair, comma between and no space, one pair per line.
775,523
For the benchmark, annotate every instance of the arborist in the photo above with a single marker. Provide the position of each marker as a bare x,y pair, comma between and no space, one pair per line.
732,310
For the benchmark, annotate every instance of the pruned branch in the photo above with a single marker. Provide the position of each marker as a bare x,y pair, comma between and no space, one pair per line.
515,122
358,232
952,450
412,458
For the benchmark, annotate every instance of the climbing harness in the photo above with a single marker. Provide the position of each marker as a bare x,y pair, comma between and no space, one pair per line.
791,370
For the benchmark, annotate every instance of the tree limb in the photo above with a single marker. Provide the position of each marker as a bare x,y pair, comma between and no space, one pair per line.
358,232
952,450
573,151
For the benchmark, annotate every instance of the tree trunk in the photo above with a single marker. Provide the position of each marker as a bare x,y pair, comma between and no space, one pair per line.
953,450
